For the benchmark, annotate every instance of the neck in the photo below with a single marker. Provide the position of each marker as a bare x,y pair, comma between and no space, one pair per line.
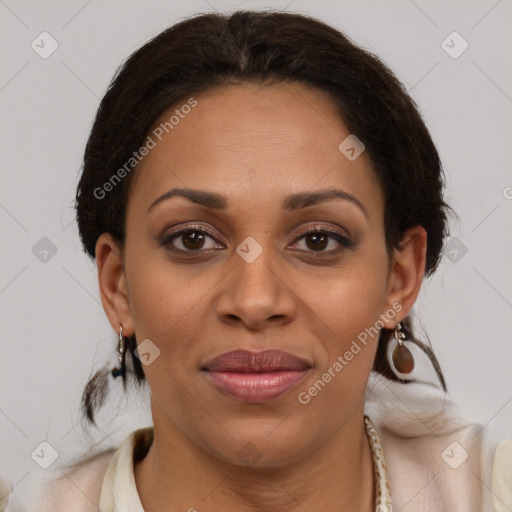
337,476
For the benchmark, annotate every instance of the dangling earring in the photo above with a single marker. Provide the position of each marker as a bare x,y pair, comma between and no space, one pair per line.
116,372
402,356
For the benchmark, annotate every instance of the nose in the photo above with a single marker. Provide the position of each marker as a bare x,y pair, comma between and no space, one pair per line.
255,293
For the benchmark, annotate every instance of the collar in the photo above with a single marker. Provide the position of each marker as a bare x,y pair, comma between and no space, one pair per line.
119,490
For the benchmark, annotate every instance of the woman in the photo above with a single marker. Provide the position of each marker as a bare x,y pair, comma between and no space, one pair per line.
263,201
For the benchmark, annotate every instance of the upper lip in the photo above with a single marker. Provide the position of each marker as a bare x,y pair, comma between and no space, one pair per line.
246,361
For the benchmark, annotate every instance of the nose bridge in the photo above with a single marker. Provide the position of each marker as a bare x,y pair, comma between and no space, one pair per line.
255,291
254,265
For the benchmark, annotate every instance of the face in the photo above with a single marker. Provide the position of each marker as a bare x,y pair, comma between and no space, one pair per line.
249,272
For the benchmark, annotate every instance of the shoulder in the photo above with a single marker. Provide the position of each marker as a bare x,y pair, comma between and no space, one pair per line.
80,486
437,459
502,477
76,488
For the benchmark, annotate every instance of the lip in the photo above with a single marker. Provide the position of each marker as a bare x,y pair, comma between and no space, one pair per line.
256,376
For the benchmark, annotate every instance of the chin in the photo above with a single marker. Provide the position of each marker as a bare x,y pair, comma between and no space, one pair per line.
263,443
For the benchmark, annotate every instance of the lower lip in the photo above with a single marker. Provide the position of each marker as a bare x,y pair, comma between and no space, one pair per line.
256,387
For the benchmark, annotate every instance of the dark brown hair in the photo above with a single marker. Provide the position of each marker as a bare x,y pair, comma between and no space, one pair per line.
213,50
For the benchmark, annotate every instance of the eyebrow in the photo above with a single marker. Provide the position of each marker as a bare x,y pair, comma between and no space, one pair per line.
290,203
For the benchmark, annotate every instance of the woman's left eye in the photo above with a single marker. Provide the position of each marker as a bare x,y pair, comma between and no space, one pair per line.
192,239
318,240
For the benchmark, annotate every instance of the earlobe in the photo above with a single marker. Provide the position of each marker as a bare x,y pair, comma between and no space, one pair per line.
407,272
112,284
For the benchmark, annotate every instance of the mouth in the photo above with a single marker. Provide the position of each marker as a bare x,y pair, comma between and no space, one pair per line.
255,377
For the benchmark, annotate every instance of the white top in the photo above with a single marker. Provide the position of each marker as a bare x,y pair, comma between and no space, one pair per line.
119,491
434,460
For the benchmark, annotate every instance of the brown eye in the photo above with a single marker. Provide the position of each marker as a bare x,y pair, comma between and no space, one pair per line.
191,239
318,239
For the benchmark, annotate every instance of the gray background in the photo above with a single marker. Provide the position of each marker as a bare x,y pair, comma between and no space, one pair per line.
53,329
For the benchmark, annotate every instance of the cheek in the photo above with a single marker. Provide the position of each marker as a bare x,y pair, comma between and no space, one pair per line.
165,311
350,307
358,302
338,385
353,316
163,306
350,298
164,302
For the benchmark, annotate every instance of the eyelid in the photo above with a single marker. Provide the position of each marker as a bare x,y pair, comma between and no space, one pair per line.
324,228
191,227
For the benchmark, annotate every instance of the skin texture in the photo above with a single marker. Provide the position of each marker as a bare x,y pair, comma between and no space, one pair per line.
256,145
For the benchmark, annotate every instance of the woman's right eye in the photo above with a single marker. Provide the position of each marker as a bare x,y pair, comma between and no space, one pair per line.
192,239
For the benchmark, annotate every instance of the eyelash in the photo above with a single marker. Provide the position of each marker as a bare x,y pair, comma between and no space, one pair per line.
342,240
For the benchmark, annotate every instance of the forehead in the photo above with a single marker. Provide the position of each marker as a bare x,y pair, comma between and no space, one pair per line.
253,143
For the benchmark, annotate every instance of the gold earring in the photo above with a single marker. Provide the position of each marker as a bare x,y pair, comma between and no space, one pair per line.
116,372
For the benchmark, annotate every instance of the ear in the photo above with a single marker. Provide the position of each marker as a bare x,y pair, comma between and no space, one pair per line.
407,270
112,284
